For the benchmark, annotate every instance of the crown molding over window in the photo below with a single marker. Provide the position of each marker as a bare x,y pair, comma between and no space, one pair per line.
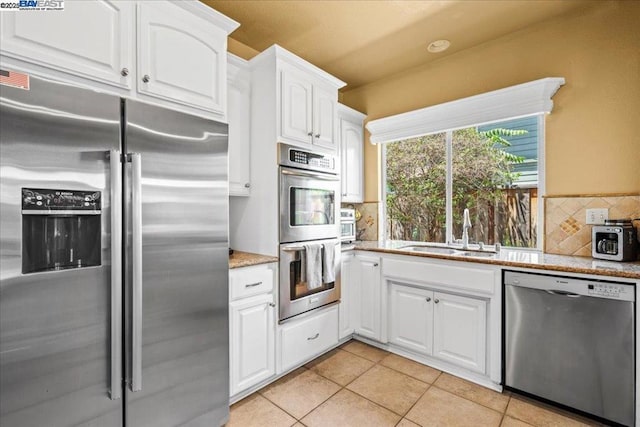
521,100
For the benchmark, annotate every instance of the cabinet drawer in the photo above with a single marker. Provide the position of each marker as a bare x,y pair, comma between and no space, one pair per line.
248,281
301,340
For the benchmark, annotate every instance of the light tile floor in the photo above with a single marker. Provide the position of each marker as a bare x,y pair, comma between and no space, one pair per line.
360,385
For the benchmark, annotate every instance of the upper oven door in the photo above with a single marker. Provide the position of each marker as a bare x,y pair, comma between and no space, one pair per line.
309,205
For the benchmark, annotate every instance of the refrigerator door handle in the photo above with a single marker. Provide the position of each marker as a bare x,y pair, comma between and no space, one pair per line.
136,230
116,274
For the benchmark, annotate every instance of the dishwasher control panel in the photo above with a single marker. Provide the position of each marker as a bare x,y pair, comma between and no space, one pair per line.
611,290
571,287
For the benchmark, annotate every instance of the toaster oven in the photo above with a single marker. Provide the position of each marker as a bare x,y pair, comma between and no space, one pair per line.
347,225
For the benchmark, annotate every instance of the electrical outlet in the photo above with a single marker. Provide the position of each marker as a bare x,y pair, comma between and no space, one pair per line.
597,216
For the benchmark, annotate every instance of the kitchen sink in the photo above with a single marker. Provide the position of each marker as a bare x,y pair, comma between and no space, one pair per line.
449,251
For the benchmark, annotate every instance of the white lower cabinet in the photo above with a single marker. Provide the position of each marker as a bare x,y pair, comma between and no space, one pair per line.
253,343
252,325
449,327
345,310
367,290
300,340
411,317
459,330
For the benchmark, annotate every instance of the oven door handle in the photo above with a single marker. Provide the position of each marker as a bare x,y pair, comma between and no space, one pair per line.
321,176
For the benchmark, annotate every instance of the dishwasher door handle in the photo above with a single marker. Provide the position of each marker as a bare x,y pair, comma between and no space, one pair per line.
563,293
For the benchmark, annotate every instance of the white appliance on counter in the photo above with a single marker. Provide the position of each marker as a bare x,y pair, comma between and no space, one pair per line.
347,225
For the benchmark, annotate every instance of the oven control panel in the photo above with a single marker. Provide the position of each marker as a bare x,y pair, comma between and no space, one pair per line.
298,158
311,159
46,200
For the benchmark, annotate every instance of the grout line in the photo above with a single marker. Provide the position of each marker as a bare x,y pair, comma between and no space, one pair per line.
415,403
411,376
473,401
363,373
315,407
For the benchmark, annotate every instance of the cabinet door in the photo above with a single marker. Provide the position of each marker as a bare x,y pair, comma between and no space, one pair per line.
91,39
182,58
296,103
252,338
411,317
325,103
239,116
346,300
368,297
459,334
351,150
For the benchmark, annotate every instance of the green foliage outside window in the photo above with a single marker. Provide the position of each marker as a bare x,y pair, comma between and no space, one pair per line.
482,173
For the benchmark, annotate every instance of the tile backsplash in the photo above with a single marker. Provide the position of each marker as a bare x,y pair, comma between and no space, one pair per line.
566,231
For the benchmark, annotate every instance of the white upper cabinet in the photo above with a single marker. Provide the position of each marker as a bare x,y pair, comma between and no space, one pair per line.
297,107
325,117
182,57
239,116
308,110
297,97
89,39
351,154
179,58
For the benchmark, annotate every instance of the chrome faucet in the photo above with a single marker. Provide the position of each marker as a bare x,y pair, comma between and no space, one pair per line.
466,224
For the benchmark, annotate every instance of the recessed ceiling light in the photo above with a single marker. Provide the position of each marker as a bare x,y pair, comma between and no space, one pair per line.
438,46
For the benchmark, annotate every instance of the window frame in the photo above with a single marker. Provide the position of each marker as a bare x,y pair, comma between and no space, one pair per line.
382,224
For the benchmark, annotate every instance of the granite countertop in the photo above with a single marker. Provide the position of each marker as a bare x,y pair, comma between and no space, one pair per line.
247,259
518,258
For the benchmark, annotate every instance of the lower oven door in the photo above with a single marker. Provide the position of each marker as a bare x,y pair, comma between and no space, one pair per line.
309,205
296,295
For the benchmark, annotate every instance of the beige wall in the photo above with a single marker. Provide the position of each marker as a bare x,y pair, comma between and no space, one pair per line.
593,133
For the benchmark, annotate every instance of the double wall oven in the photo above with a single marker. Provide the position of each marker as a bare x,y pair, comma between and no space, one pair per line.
309,192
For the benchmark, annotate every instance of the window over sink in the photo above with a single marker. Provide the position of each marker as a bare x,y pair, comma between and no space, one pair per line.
492,170
483,153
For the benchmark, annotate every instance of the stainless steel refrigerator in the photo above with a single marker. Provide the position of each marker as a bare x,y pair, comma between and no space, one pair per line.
114,262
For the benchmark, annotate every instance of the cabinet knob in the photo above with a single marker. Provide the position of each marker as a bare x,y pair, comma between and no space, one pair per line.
247,185
146,78
309,133
436,300
317,135
375,264
428,299
344,194
124,72
272,304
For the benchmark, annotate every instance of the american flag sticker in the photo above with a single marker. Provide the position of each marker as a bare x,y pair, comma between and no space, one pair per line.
11,78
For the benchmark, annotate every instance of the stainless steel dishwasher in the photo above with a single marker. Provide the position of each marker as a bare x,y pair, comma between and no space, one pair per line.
571,341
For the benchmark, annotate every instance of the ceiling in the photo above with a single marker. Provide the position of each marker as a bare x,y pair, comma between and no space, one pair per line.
361,41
